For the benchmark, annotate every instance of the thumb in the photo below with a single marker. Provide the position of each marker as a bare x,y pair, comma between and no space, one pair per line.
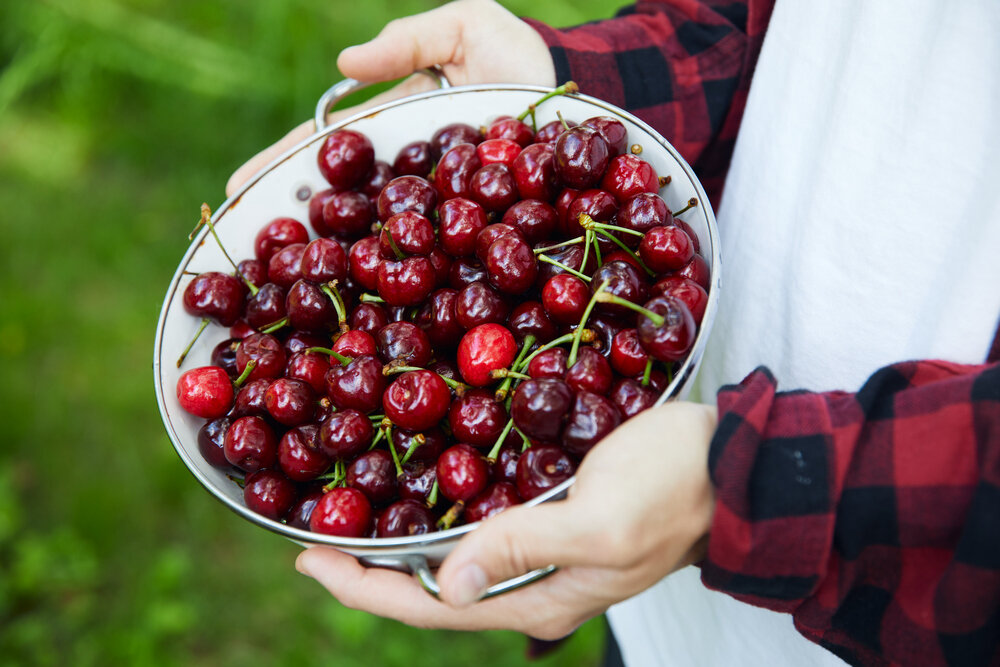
406,45
513,543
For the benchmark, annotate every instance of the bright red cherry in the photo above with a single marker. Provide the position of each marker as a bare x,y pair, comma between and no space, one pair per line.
484,349
205,392
342,511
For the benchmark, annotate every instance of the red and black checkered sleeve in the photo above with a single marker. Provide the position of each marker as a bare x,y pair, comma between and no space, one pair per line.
683,66
873,518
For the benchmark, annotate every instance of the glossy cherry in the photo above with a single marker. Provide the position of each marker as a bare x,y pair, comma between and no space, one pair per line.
416,400
345,158
374,474
540,468
205,392
404,518
672,337
358,385
299,454
404,342
406,193
250,444
348,214
269,493
496,498
343,511
540,406
476,418
484,349
277,234
345,434
462,473
666,248
211,441
216,296
592,418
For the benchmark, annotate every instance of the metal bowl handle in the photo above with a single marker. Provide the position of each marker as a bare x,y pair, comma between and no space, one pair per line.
418,566
342,89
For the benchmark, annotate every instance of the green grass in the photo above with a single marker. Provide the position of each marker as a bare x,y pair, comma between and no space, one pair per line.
117,119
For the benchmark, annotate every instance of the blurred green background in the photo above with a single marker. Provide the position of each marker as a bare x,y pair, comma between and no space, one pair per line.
117,119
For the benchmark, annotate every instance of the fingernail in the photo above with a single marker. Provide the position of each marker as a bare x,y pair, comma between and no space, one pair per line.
469,586
300,565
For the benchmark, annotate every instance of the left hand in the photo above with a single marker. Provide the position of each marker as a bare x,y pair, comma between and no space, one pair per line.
640,509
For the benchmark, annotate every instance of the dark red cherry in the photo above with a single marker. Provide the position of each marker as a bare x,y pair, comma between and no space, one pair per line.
409,233
216,296
550,363
540,407
511,265
490,234
267,306
345,158
666,248
628,357
629,175
404,518
612,131
581,157
250,399
535,173
285,266
269,493
290,402
378,177
688,291
299,454
348,214
540,468
439,320
253,270
496,498
549,132
530,318
299,341
323,260
205,392
404,342
631,398
363,262
493,187
484,349
478,303
535,219
406,193
406,282
671,339
591,372
598,204
277,234
316,204
624,281
266,350
464,271
355,343
211,441
452,135
417,400
592,418
417,480
565,297
345,434
414,159
309,308
505,467
343,511
374,474
459,222
606,327
509,129
565,198
453,173
462,473
368,317
301,510
358,385
476,418
642,212
250,444
697,270
427,445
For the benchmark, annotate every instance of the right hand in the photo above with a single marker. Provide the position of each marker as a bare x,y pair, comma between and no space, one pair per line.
474,41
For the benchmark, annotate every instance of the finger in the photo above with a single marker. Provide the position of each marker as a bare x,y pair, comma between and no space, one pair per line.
415,84
406,45
517,541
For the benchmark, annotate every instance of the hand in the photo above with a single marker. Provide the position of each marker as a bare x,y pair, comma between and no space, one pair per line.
475,41
640,508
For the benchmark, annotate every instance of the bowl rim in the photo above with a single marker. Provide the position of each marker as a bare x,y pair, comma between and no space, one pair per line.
372,545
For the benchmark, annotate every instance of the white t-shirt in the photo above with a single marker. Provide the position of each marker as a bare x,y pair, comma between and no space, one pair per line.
860,226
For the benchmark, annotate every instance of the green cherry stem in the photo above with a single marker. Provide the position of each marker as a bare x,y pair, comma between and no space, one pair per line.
419,439
588,222
394,368
330,289
605,297
377,439
501,373
568,87
392,244
588,240
501,392
275,326
647,372
206,219
597,248
578,334
245,375
525,442
568,269
491,458
330,353
572,241
432,495
204,323
586,336
387,428
370,298
691,204
339,475
628,250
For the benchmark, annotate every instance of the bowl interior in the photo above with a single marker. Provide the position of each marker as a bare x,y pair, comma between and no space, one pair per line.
284,189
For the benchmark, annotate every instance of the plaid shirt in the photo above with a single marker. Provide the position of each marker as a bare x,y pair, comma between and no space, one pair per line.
874,517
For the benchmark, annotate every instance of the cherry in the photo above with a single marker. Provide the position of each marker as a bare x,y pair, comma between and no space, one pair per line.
600,205
323,260
269,493
417,400
267,306
299,454
316,204
476,418
459,222
291,402
631,398
250,444
363,262
462,473
299,341
358,385
417,480
510,264
253,271
404,518
696,270
496,498
374,474
535,219
687,290
309,308
571,256
453,173
628,175
540,407
266,351
438,319
490,234
345,158
628,357
355,343
581,157
452,135
548,133
369,318
535,173
404,342
414,159
277,234
666,248
565,198
406,193
342,511
285,265
672,336
345,434
493,187
497,151
240,330
301,510
505,467
591,372
250,399
484,349
605,327
541,468
215,296
347,214
550,363
478,303
211,439
530,318
565,297
509,129
466,270
406,282
205,392
378,177
592,418
612,131
409,233
425,446
624,281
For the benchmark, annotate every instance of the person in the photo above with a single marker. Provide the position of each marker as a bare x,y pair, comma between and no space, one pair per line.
856,509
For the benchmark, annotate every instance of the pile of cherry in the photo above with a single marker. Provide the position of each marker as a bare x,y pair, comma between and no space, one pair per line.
464,326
